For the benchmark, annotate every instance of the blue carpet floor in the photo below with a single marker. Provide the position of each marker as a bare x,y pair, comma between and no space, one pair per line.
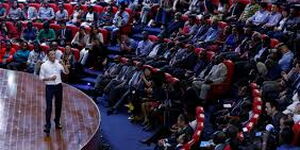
120,133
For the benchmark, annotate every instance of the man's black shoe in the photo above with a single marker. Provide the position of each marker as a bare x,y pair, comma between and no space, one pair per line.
58,126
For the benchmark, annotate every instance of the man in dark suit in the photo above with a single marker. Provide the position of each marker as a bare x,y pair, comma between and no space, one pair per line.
235,11
64,35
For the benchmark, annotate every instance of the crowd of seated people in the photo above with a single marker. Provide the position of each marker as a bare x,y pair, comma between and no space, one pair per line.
204,74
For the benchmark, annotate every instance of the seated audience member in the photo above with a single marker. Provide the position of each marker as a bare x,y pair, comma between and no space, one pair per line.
212,33
90,18
274,114
15,33
249,10
157,48
64,35
234,12
277,31
3,32
260,17
20,58
6,54
80,38
75,18
181,133
203,27
273,18
45,12
102,80
233,39
35,59
123,91
286,136
216,75
285,62
61,15
106,17
29,34
15,12
58,53
190,27
69,60
127,44
121,19
146,10
46,35
144,46
173,26
30,12
2,12
222,9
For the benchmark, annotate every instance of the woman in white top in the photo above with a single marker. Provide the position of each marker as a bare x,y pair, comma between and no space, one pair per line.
75,17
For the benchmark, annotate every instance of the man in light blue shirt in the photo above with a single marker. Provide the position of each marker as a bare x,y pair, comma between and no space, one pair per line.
273,18
46,12
285,63
144,46
121,19
260,17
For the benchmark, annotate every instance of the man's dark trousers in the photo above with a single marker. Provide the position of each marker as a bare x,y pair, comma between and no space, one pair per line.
57,92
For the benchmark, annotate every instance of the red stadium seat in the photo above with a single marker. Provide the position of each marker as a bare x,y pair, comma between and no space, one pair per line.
54,6
30,46
45,48
210,55
36,5
115,9
256,93
74,30
98,9
153,38
222,25
218,90
123,60
184,17
38,25
254,86
6,6
245,2
10,26
76,53
16,46
69,8
167,40
197,51
55,26
274,42
84,8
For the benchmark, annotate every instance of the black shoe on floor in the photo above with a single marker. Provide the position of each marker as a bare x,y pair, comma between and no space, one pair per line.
58,126
47,129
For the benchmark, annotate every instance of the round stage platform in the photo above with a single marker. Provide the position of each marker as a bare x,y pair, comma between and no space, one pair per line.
22,116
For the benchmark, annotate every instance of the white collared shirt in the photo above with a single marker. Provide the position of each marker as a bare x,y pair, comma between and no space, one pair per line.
49,69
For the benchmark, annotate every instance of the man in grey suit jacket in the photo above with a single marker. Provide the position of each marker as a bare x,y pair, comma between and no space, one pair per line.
217,75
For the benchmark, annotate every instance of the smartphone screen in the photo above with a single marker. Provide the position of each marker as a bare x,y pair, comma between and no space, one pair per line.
227,105
204,144
258,134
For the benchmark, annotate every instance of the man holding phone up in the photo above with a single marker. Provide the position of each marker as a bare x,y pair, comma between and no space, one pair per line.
51,74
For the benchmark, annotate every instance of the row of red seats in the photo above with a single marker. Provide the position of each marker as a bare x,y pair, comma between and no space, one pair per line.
256,109
200,117
45,48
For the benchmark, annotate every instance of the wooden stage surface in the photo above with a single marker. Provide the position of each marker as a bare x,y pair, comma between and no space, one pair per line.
22,116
